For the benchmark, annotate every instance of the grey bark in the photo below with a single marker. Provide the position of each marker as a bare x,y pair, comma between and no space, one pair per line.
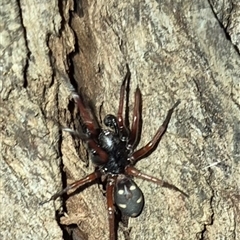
175,50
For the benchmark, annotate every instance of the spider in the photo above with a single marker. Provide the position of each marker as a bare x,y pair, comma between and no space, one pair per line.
112,152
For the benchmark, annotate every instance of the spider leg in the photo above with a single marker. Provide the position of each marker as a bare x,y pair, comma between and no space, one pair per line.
110,206
121,123
146,150
91,126
130,170
76,134
136,123
85,115
103,156
88,179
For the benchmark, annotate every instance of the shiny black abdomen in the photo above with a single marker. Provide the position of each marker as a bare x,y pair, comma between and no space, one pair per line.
128,197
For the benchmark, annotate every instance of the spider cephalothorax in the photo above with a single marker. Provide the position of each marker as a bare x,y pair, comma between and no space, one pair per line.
112,151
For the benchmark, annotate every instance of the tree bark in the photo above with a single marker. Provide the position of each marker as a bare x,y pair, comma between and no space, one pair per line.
175,50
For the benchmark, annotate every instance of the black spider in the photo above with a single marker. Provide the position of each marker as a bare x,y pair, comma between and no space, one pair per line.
112,152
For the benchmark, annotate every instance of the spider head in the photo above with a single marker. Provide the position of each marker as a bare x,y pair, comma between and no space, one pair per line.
111,122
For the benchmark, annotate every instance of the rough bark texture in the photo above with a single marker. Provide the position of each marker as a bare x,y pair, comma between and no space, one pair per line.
175,50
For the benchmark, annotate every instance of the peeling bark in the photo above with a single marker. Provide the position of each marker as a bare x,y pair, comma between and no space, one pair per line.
175,50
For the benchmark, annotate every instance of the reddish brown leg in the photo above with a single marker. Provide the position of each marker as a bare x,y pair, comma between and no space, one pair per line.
121,102
146,150
85,115
88,179
103,156
91,126
110,206
135,129
98,150
123,130
130,170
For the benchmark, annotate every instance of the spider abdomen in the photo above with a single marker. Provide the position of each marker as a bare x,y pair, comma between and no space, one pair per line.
128,197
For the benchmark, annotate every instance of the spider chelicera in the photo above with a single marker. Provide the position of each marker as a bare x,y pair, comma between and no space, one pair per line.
112,152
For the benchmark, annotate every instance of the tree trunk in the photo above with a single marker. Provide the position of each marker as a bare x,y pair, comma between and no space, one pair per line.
175,50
